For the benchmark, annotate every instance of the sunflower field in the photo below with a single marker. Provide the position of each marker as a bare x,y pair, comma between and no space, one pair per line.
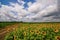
32,31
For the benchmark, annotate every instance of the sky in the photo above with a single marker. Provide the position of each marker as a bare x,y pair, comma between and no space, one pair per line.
29,10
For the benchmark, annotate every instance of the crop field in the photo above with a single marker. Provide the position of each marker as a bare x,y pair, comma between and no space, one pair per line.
35,31
4,24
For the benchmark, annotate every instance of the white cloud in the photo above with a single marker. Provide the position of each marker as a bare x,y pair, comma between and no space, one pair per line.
14,12
29,4
21,2
41,4
41,9
47,1
34,12
35,7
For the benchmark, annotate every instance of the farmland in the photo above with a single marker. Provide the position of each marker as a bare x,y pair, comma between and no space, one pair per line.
4,24
35,31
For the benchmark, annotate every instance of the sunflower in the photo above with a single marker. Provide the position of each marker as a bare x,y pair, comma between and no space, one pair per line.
44,33
56,30
32,32
38,32
24,33
57,37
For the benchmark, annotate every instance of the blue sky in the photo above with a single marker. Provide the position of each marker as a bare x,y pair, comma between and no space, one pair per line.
6,2
28,1
37,10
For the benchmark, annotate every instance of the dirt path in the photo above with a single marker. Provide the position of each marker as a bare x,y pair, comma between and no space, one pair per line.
6,30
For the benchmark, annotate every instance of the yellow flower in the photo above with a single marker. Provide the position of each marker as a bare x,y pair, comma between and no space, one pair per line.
44,33
37,32
57,37
56,30
32,32
24,33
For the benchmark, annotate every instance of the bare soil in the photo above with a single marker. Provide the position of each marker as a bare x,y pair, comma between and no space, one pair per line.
6,30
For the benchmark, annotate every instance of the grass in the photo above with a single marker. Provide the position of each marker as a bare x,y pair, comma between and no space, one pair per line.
35,31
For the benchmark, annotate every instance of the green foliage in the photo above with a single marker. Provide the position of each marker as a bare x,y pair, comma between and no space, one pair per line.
34,34
4,24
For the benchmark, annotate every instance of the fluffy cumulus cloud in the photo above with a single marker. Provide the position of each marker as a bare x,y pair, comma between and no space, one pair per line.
39,11
12,13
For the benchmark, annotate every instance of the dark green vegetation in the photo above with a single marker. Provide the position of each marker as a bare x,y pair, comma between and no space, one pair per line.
35,31
4,24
